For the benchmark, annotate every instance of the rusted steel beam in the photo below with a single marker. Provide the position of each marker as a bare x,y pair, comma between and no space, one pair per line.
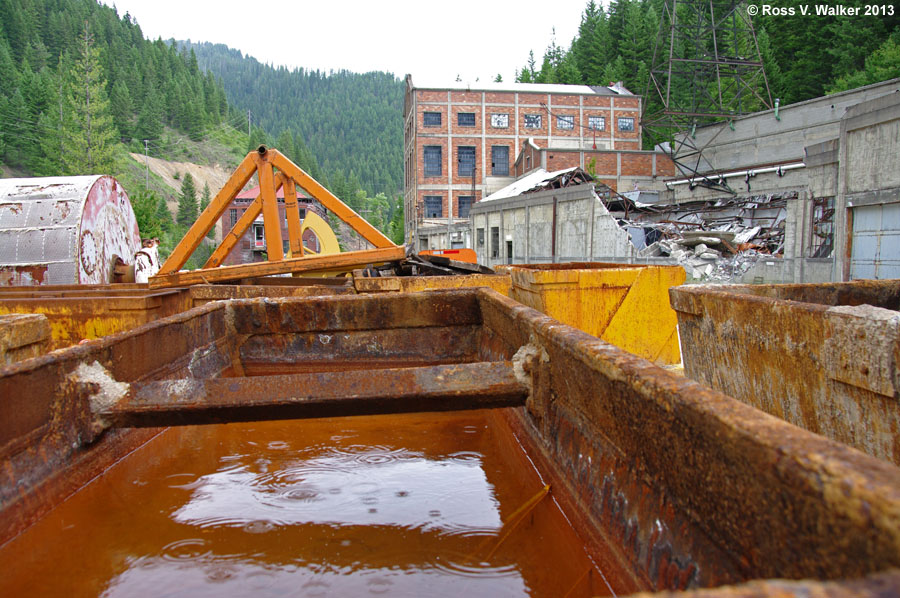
210,215
321,263
271,221
295,234
322,394
328,199
231,240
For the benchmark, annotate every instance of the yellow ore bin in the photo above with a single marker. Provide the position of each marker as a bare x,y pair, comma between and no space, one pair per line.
625,305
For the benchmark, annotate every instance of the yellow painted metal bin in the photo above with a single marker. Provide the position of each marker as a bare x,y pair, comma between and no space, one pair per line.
623,304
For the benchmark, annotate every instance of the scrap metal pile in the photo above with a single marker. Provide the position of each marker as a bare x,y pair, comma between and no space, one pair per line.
713,240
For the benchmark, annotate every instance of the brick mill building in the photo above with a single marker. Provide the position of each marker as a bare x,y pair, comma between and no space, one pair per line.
466,141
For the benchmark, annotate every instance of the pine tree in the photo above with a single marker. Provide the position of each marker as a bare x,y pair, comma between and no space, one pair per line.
187,202
88,132
121,108
164,216
205,199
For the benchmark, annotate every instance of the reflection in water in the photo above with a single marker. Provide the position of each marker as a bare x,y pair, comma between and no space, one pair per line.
394,505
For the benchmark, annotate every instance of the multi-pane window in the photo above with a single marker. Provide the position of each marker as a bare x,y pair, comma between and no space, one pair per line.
479,237
596,123
465,119
233,214
495,241
532,121
500,160
433,205
565,122
626,124
465,204
432,119
466,156
433,160
500,121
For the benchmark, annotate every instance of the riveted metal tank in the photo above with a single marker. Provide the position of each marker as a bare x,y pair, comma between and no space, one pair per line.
64,230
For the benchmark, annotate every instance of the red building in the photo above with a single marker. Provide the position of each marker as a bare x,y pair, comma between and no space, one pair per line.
466,141
252,246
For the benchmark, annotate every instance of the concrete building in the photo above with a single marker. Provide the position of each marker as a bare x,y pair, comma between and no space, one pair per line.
466,141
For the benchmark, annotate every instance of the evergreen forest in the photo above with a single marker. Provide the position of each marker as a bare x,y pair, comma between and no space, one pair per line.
804,56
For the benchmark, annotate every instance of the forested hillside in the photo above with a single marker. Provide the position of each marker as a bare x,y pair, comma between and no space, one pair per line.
804,57
351,122
82,87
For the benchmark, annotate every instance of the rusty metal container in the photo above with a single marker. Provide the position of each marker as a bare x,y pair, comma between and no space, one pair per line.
626,305
64,230
692,488
79,312
821,356
23,336
413,284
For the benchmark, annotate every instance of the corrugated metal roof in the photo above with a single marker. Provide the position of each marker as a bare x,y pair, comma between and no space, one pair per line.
529,181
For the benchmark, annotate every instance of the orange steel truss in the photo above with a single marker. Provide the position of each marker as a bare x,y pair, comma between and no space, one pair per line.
264,162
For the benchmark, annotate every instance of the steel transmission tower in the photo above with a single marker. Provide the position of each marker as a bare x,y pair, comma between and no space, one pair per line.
706,69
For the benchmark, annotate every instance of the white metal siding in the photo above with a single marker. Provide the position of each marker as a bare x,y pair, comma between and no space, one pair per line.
875,249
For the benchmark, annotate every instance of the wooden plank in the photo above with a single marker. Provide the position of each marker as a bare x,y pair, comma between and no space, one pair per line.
340,262
210,215
319,394
327,199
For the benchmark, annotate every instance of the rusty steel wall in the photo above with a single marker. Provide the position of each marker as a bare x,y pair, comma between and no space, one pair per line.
691,487
698,488
822,357
64,230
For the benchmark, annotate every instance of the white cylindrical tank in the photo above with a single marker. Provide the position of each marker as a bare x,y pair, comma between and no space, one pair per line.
64,230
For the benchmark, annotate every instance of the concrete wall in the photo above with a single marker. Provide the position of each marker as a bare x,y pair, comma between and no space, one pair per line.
761,138
583,228
869,145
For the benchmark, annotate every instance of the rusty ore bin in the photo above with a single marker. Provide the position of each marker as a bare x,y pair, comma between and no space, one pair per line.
821,356
78,312
412,284
688,487
626,305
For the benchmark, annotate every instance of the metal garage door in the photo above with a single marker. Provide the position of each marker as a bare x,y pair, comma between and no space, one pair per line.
875,250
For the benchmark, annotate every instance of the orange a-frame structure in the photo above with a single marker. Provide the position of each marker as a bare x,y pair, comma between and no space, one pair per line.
264,161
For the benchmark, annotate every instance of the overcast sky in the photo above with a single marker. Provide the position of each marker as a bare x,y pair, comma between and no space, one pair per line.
440,40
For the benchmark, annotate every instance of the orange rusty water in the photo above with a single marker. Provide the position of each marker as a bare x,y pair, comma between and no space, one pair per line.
409,505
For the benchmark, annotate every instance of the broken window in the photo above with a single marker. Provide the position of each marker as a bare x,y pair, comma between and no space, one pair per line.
495,241
500,121
626,124
465,204
821,240
532,121
465,154
596,123
432,119
479,237
500,160
433,160
433,206
565,122
465,119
